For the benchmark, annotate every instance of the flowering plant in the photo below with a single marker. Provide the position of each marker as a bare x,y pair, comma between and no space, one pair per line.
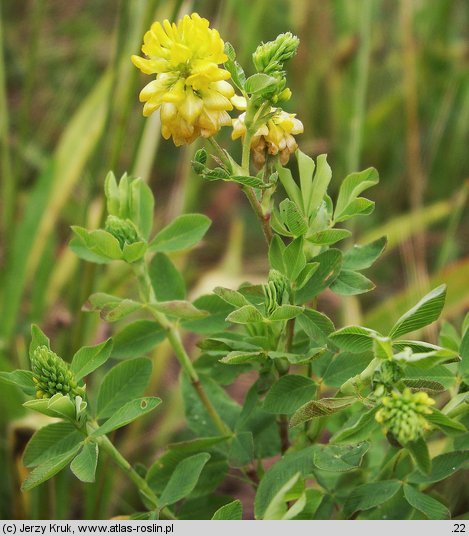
345,415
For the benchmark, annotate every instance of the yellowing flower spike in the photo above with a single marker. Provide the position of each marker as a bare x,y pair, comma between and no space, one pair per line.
190,90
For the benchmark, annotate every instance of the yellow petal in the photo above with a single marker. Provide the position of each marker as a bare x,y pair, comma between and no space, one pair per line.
149,108
168,112
190,107
263,130
150,90
146,66
180,53
224,119
239,102
223,87
216,101
166,132
176,93
297,127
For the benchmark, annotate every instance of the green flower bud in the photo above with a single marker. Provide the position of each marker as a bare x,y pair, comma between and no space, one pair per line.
52,375
276,291
387,375
270,57
379,390
282,365
403,414
124,230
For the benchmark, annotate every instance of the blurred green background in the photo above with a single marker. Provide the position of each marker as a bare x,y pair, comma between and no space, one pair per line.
381,83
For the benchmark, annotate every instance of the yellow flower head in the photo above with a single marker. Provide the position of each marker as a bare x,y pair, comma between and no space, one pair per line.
275,137
190,88
403,414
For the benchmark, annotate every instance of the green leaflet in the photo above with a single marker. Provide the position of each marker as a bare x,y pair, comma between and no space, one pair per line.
339,458
123,383
50,441
426,311
432,508
370,495
232,511
137,339
348,203
182,233
320,408
288,394
127,413
49,468
443,466
183,479
89,358
279,474
166,280
84,464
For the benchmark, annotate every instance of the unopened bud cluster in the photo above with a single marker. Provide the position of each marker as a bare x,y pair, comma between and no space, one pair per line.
270,57
52,375
384,378
403,414
275,291
124,230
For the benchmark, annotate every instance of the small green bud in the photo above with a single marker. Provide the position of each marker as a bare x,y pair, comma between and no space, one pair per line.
403,414
379,391
52,375
269,57
387,375
124,230
276,291
282,365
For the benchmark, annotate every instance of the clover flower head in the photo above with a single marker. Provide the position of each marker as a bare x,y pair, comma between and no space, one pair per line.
52,375
190,88
275,137
124,230
403,414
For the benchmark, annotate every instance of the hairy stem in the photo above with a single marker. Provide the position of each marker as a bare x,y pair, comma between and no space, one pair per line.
174,337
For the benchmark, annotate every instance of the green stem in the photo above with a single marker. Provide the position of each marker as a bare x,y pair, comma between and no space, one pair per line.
263,218
245,159
174,337
106,444
120,461
283,419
